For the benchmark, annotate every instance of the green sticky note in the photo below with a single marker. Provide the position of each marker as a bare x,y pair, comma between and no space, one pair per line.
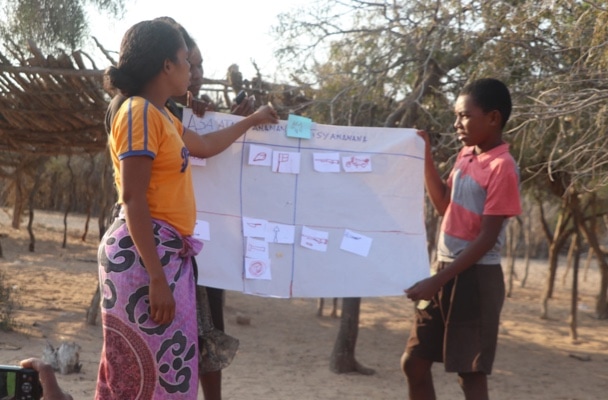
299,127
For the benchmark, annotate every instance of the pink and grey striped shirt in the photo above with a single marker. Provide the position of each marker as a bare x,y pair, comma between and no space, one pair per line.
482,184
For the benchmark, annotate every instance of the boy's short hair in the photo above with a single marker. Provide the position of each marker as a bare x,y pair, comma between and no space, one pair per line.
490,94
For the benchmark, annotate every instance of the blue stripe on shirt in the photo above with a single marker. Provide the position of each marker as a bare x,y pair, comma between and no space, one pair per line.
467,193
146,104
145,128
137,153
130,136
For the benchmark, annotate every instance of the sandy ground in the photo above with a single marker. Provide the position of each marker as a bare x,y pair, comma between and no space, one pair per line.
284,352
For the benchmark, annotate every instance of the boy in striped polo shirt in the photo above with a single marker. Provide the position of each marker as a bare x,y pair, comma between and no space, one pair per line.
458,307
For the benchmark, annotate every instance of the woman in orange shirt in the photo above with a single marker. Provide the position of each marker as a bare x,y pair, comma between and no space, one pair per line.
148,303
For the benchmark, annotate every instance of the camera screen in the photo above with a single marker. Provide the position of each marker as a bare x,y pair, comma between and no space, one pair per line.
19,383
8,385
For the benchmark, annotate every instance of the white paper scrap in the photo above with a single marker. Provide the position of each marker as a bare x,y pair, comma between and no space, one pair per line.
260,155
201,162
253,227
257,268
326,162
314,239
256,248
201,230
280,233
286,162
356,243
357,163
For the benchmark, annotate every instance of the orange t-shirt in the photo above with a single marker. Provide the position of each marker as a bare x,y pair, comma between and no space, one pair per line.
141,129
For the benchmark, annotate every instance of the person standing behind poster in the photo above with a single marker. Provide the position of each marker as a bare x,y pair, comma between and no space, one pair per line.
148,303
216,350
458,307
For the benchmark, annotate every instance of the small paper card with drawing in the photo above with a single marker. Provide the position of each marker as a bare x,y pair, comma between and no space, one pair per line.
357,163
201,230
201,162
253,227
260,155
286,162
356,243
326,162
256,248
280,233
257,268
299,127
314,239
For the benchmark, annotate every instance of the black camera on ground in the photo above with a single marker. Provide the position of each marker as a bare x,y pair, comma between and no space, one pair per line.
18,383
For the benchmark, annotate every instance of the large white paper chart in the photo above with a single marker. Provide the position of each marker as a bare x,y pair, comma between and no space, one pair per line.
384,205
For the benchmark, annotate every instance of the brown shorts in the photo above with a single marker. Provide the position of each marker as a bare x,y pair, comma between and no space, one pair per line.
459,327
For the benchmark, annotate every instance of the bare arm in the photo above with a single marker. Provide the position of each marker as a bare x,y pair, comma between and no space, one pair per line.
205,146
135,175
48,380
490,229
436,188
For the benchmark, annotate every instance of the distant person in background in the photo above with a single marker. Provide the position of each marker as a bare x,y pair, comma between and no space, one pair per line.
148,304
209,299
191,99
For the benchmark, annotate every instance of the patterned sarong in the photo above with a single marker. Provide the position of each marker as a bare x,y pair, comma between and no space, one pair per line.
141,359
216,348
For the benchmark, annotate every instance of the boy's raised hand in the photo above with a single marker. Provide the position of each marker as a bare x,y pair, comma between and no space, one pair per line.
425,136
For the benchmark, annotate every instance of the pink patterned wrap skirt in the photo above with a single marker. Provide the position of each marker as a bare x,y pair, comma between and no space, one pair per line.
141,359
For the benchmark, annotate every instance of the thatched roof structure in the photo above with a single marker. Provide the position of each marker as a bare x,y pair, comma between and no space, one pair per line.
50,106
56,105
